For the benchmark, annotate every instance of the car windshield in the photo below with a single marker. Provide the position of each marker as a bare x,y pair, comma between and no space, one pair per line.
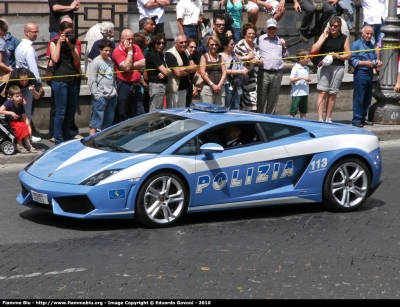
151,133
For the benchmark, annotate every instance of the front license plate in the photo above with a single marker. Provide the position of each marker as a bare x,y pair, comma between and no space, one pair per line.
40,198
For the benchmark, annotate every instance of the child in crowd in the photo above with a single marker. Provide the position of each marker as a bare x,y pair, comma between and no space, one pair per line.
299,79
14,107
102,86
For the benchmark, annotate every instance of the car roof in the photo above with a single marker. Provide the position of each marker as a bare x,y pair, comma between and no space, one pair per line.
210,117
216,118
236,115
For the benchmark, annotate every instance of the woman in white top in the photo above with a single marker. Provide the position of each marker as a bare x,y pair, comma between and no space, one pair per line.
232,94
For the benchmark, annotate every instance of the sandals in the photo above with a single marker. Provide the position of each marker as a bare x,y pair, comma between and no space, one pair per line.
21,149
31,149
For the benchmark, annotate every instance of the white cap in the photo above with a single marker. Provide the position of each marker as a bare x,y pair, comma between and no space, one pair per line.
271,23
327,60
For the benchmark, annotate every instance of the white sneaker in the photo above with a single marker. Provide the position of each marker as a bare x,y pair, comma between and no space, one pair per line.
35,139
328,120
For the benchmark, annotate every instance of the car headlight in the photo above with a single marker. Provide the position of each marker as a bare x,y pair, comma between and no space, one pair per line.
95,179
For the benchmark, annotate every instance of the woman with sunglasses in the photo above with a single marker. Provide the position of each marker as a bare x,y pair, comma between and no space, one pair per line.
246,51
213,72
330,77
142,40
192,48
157,72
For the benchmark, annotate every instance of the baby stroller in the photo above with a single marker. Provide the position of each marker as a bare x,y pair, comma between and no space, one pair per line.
7,139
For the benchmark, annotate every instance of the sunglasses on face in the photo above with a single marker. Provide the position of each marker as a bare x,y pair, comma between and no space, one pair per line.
271,28
335,26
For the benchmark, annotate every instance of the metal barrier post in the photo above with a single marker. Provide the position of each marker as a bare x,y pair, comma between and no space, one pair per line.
386,109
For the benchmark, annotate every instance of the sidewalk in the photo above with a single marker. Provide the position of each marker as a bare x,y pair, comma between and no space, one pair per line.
384,132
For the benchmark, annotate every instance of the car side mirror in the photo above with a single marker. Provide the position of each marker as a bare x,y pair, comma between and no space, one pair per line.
210,149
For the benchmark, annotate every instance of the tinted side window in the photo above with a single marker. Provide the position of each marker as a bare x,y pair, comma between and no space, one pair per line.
277,131
189,148
249,135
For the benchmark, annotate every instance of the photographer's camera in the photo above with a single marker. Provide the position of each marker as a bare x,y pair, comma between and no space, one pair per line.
71,37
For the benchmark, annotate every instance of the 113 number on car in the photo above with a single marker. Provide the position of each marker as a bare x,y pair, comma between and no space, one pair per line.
319,164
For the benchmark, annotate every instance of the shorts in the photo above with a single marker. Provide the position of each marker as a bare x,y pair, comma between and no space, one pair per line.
330,78
102,112
299,103
250,5
20,129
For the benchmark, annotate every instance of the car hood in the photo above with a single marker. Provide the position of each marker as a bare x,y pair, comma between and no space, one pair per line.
73,162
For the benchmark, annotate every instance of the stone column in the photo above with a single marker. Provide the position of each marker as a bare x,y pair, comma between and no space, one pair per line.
386,109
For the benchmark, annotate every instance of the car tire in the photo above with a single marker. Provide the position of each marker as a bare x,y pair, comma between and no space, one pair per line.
8,148
347,185
162,200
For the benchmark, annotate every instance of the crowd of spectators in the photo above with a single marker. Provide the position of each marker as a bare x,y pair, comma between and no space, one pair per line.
240,68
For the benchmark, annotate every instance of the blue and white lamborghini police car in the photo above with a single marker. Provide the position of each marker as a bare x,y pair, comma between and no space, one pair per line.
159,166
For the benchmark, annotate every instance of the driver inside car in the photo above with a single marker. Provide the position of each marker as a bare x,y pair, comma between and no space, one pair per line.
232,136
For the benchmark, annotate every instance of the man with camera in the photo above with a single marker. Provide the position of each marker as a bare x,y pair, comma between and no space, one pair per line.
364,63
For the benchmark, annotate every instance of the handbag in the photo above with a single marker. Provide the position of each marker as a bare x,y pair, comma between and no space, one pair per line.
197,80
49,73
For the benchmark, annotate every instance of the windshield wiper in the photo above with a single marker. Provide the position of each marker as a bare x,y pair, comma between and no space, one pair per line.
115,147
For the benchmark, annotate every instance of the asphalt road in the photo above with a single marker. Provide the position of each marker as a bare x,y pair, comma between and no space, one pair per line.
277,252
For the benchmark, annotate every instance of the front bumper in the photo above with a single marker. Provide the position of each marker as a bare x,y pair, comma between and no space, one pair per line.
110,201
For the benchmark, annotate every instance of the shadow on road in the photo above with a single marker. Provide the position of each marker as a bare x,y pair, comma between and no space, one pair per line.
48,219
271,212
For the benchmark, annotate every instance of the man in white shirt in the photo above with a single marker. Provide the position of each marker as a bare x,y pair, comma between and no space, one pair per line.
188,15
375,13
26,57
153,8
